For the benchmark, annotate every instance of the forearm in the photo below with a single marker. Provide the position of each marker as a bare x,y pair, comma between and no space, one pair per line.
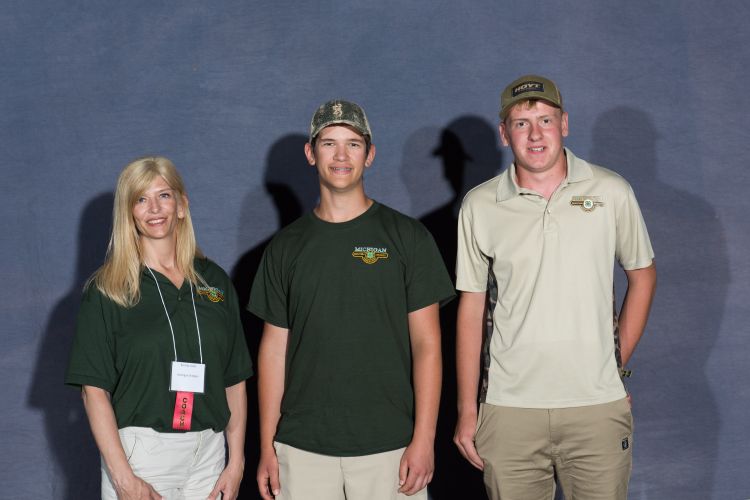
469,336
427,371
269,408
635,309
235,430
104,428
427,384
271,366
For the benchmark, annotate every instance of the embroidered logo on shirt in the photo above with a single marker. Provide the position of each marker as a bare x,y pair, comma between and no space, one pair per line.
211,293
370,255
625,444
587,203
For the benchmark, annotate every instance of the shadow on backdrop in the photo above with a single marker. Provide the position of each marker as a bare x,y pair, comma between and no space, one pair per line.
677,420
469,156
66,426
293,186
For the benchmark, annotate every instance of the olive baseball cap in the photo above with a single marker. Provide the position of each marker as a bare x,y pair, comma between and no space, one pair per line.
339,112
529,87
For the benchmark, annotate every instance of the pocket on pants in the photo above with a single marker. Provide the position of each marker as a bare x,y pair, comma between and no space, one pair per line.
626,414
480,412
140,443
128,441
280,449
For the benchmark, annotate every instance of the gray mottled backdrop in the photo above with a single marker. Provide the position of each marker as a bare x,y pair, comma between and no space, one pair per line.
656,90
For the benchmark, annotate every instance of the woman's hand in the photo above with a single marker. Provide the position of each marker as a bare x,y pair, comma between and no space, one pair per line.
135,488
228,484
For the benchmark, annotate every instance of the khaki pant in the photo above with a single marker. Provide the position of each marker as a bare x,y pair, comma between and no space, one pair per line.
178,465
589,447
309,476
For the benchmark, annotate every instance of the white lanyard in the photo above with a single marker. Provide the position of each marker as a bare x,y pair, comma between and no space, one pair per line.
174,344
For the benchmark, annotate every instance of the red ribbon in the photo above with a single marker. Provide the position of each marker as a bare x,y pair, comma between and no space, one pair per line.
183,411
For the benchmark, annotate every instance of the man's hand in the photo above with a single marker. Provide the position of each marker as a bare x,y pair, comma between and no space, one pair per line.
268,475
464,439
135,488
417,466
228,484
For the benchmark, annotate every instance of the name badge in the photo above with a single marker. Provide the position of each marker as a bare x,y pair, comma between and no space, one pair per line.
187,377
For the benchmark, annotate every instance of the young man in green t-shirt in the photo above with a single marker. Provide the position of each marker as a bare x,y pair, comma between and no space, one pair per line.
350,363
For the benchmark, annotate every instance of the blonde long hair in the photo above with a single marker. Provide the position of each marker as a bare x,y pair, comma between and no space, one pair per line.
119,276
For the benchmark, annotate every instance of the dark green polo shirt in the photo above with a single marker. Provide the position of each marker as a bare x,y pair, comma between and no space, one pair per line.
128,351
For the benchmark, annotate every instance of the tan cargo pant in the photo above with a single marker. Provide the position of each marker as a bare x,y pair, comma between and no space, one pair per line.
309,476
588,447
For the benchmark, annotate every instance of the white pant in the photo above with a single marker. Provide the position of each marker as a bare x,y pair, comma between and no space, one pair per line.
178,465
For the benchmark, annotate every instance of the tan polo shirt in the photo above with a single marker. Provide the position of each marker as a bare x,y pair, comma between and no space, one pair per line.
552,345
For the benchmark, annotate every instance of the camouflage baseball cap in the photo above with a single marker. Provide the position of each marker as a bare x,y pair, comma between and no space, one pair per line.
529,87
338,111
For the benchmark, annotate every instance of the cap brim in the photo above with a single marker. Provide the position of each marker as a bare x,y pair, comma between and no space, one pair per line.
341,122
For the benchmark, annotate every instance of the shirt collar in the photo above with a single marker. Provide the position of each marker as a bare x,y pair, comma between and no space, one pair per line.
508,188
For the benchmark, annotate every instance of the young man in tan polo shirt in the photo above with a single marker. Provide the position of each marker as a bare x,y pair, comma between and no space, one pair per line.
547,232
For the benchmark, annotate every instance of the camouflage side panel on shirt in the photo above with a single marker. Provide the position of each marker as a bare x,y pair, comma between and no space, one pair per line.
489,326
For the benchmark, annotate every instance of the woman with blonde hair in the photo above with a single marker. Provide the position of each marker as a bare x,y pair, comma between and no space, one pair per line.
159,351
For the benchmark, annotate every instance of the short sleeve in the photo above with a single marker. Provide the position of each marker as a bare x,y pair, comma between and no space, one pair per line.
427,280
472,265
92,357
633,248
239,366
269,294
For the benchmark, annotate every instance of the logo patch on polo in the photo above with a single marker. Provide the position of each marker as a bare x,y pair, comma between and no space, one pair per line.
370,255
211,293
530,86
587,203
625,444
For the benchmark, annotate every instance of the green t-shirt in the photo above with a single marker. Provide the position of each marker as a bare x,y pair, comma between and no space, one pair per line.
344,291
128,351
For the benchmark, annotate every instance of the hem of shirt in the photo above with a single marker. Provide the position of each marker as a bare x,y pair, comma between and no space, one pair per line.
440,301
639,265
267,317
341,453
76,380
169,430
172,432
608,398
468,288
236,379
